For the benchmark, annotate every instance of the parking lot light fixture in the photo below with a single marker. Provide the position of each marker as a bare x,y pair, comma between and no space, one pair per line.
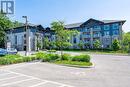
27,35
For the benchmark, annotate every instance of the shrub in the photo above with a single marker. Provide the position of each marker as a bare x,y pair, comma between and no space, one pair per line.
81,58
3,61
19,60
51,51
66,57
27,59
12,56
51,57
40,55
10,59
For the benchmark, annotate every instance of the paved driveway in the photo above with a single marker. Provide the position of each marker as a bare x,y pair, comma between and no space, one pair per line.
109,71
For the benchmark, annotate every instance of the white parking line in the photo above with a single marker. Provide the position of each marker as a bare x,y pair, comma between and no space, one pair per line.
4,74
65,86
18,65
10,78
40,79
39,84
15,82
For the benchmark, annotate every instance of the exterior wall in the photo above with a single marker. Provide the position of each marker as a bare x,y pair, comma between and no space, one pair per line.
89,34
12,37
18,39
114,33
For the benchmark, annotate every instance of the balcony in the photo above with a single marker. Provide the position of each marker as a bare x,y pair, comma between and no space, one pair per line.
96,35
86,36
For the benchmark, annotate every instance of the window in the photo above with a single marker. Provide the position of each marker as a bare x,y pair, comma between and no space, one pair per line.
96,34
15,39
115,32
81,30
24,35
115,26
24,41
80,37
7,38
107,40
106,33
106,27
97,28
74,40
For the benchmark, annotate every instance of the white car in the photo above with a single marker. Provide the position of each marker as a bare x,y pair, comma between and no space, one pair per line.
12,51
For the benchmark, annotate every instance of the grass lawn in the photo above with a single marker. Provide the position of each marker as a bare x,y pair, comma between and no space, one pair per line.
98,52
76,63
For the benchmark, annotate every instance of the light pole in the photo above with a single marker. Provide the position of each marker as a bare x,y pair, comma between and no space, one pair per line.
27,35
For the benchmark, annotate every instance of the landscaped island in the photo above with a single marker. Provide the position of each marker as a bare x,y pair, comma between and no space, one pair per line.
64,59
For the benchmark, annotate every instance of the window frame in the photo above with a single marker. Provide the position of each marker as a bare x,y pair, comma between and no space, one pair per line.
106,26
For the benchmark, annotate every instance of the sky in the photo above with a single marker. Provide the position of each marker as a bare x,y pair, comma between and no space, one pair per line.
72,11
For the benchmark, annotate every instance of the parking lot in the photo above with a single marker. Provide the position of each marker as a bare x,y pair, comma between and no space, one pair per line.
109,71
9,78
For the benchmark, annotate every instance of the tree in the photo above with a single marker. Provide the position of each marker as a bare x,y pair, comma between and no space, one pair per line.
51,45
62,35
45,43
81,45
87,45
38,45
5,23
115,45
97,44
17,24
126,40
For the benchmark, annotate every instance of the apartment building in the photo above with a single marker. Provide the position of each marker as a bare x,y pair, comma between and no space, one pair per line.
103,30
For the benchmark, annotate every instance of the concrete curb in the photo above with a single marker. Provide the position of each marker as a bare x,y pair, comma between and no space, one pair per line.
76,66
109,54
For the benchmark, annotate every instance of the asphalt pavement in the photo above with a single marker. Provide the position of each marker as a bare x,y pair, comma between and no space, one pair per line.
109,71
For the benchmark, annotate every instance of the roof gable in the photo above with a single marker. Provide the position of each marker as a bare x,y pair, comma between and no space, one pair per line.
91,22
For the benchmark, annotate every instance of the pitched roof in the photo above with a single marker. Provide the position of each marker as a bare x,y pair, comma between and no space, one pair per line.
112,21
74,25
40,27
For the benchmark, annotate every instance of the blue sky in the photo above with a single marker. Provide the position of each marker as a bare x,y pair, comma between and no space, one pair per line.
71,11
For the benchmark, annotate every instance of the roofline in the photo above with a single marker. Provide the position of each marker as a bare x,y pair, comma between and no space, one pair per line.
122,21
24,26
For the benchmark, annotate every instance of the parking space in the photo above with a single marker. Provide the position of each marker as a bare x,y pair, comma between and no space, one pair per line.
109,71
13,79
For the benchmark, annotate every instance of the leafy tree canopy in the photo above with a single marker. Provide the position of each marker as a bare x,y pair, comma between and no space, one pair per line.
5,23
97,44
115,45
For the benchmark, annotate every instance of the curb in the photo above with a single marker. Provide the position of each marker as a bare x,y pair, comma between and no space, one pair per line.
109,54
77,66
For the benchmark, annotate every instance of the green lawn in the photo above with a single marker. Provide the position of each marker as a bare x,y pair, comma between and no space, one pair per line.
76,63
98,52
